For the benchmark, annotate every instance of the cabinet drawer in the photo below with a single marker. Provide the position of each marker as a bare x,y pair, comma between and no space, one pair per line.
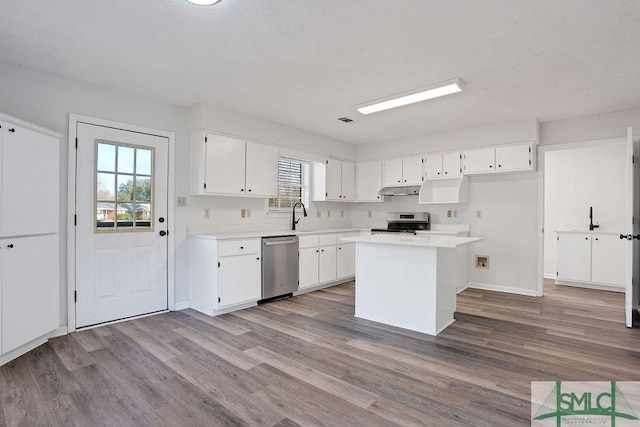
306,241
238,247
327,240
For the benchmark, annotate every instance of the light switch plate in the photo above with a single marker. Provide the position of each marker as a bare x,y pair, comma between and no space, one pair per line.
318,214
243,213
207,213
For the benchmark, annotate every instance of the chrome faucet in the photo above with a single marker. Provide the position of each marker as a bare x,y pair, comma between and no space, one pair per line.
293,214
592,226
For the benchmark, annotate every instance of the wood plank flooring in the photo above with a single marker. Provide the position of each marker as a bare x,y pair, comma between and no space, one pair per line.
308,361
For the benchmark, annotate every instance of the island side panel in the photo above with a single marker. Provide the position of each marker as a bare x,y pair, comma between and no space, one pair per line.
449,278
396,285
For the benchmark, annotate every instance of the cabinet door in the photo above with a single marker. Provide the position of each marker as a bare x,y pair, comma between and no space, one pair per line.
327,264
346,260
30,289
348,181
239,280
392,172
412,170
30,185
608,259
479,161
261,170
451,164
334,180
574,257
368,181
433,165
224,165
513,157
308,260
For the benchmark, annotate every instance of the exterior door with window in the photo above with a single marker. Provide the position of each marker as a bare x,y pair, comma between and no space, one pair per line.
121,212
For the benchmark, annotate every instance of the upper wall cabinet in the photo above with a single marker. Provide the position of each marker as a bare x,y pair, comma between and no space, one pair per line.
333,180
222,165
506,158
368,181
401,172
439,165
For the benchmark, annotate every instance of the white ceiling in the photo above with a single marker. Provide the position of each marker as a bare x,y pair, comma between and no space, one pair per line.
307,62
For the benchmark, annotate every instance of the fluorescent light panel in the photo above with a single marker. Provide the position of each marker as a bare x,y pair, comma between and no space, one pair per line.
411,97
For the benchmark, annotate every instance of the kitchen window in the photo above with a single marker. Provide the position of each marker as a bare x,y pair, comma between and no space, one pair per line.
293,184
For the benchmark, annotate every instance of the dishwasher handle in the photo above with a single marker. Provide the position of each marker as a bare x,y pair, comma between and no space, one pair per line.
280,242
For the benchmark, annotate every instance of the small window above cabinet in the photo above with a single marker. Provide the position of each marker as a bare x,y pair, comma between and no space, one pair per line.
507,158
227,166
439,165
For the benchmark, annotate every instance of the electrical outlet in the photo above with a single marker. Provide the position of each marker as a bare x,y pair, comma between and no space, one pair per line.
328,214
248,213
449,213
207,213
318,214
478,213
181,202
455,213
243,213
369,214
341,214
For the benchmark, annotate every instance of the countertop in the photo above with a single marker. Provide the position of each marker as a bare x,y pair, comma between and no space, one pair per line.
432,241
271,233
587,231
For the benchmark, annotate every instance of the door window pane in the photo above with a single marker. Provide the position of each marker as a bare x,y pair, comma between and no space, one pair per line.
124,187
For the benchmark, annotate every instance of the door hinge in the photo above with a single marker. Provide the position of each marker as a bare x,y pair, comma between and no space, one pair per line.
326,161
205,185
75,220
543,229
529,162
557,273
206,139
218,264
75,296
218,299
633,159
76,143
422,160
460,156
558,238
326,194
529,149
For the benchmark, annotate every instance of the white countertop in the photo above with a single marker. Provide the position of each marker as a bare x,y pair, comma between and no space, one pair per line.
587,231
433,241
271,233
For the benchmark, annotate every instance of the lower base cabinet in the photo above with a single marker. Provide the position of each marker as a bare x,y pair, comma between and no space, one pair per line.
346,260
29,285
224,273
325,259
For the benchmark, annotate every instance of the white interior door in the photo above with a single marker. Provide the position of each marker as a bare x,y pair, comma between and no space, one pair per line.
632,228
121,224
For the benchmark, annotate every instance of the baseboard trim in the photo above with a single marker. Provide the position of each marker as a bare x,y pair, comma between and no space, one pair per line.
595,286
549,276
182,305
462,289
17,352
505,289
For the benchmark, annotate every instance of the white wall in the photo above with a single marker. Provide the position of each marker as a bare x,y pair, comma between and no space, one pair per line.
507,202
576,179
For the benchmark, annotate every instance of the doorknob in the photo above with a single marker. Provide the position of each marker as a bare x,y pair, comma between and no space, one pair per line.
163,233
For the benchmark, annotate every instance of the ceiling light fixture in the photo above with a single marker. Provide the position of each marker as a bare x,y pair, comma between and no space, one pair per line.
204,2
413,96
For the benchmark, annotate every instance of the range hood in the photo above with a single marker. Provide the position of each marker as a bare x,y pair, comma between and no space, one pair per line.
412,190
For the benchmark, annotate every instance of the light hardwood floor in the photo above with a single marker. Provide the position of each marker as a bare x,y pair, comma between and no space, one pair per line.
308,361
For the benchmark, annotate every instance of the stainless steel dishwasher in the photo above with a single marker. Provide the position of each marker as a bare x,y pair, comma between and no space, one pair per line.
279,266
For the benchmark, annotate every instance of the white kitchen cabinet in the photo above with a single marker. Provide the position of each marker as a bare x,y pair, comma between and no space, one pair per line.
513,157
400,172
480,160
327,264
346,260
29,245
574,257
368,181
439,165
333,180
591,258
30,290
505,158
225,274
308,259
608,259
222,165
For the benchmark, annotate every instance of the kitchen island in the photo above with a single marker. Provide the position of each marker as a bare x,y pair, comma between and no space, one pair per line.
408,281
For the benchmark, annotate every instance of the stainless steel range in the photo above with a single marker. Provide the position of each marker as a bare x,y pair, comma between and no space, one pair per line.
405,222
